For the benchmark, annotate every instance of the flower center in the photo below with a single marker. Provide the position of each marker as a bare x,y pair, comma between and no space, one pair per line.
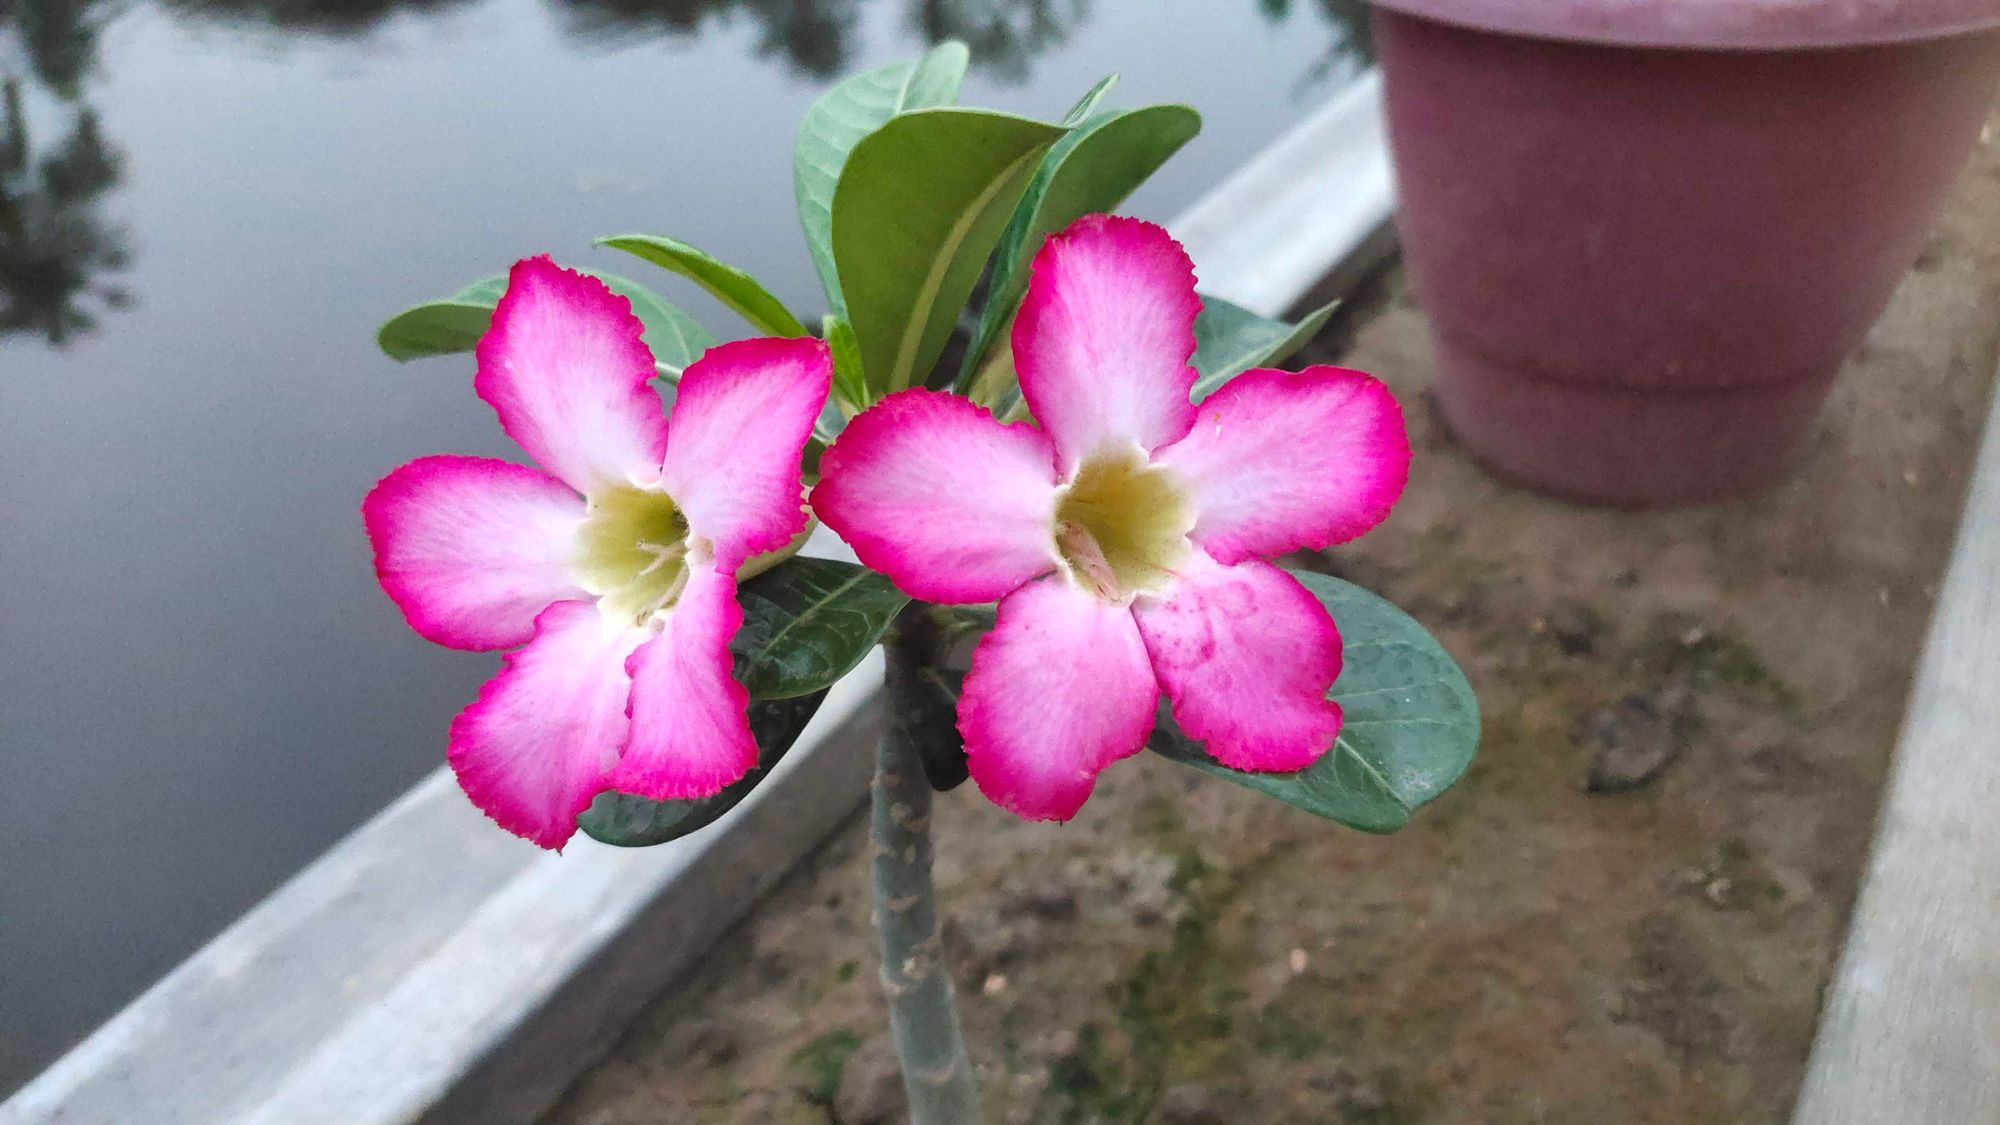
1121,526
632,552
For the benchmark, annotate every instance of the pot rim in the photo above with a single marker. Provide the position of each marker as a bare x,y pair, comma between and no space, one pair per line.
1742,25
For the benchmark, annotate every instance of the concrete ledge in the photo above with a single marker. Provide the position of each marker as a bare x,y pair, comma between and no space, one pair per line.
431,966
1911,1027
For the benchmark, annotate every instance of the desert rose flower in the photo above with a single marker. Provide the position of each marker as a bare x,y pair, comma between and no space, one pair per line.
1125,539
613,566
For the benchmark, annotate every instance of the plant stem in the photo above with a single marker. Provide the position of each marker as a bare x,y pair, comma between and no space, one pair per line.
923,1018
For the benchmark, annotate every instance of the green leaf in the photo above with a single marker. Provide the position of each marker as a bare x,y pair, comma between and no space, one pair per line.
919,207
1410,725
1087,104
936,77
456,323
808,622
837,122
625,821
744,294
848,385
1093,168
1230,340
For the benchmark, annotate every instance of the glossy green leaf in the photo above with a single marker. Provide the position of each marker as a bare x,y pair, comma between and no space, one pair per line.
625,821
456,323
920,205
808,622
1093,168
743,294
848,385
837,122
1410,725
1230,340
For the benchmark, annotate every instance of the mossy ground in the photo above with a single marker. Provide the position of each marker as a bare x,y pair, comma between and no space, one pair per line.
1525,951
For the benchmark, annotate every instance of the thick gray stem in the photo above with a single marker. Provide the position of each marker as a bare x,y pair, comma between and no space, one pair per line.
923,1018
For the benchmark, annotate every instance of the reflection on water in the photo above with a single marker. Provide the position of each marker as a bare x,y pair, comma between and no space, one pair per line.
1003,34
55,247
1349,50
200,686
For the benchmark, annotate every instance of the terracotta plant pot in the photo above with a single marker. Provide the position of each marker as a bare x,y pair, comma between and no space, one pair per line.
1648,233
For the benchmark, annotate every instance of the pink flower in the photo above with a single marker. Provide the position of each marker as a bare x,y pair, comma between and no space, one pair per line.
615,569
1125,539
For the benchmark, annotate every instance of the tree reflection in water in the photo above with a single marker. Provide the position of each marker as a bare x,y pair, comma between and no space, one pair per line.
1353,46
55,247
1004,35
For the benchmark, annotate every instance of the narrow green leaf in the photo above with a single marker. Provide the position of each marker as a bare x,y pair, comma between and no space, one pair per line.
1087,104
456,324
1093,168
848,385
743,294
625,821
919,207
1409,728
1230,340
808,622
837,122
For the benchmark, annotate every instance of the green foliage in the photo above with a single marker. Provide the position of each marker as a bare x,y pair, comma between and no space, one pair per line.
625,821
1230,340
456,323
919,207
808,622
838,121
743,294
1410,726
848,382
1093,168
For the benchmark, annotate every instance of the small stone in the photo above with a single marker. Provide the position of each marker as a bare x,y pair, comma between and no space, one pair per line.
996,983
1635,741
1189,1105
1298,961
1575,627
871,1086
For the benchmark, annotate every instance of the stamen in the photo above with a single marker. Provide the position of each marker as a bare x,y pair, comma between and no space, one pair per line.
671,596
663,553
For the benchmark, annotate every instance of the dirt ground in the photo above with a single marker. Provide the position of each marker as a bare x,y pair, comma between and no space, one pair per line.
1528,950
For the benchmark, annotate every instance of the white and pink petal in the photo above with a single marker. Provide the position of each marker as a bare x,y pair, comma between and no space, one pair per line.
1059,689
565,368
690,727
542,738
1280,461
471,549
1247,655
741,419
931,490
1104,336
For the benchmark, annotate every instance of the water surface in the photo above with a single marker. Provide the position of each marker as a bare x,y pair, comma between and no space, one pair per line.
206,206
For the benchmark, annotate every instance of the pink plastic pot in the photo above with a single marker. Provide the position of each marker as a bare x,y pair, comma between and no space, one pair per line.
1648,233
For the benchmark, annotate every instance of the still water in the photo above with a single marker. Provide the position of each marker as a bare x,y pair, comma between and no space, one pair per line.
205,208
